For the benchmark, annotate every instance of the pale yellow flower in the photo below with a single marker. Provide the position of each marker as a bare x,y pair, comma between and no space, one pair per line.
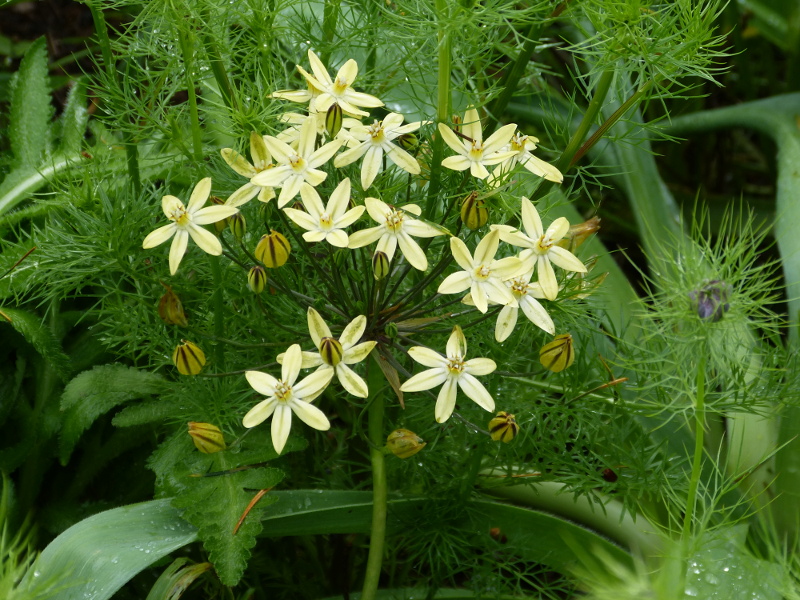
186,223
326,222
522,146
295,166
291,135
473,153
377,140
337,90
483,276
540,247
450,372
395,228
527,295
261,162
286,397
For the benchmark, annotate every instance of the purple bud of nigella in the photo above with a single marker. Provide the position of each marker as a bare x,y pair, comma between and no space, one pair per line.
711,301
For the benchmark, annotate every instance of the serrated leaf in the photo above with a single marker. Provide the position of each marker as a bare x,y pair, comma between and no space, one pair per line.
144,413
30,107
73,121
93,393
94,558
38,335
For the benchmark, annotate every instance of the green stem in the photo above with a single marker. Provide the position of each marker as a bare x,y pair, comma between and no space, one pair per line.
442,103
219,311
379,488
329,20
188,64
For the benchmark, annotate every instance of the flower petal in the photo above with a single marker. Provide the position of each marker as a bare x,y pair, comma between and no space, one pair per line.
475,390
310,415
498,139
178,249
456,344
159,236
281,426
427,357
339,199
303,219
547,277
537,314
531,221
455,283
313,385
243,195
337,238
425,380
479,297
412,251
351,381
311,201
446,401
377,209
451,139
387,244
353,332
358,352
471,126
457,163
565,259
403,159
506,321
212,214
263,383
292,360
200,194
480,366
365,236
260,413
317,326
461,254
487,248
371,166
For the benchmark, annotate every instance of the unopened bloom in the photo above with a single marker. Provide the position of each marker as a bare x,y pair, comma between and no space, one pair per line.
558,354
483,276
189,358
285,397
377,140
396,226
451,371
503,427
404,443
335,356
262,161
473,153
540,247
337,90
296,166
522,146
186,223
207,437
326,222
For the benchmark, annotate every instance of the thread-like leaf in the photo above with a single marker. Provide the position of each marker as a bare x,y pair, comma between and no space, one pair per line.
31,110
39,336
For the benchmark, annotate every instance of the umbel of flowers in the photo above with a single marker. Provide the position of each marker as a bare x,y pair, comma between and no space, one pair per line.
512,266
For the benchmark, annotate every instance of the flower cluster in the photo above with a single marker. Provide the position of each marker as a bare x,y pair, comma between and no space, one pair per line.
295,162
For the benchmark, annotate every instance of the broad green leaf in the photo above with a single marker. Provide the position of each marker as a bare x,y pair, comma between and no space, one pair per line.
39,336
93,393
176,578
30,107
94,558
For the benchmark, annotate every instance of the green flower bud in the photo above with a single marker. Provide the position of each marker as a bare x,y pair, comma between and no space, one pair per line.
473,212
333,120
273,250
170,308
404,443
188,358
408,142
331,351
390,330
257,279
380,265
237,225
558,354
503,427
206,437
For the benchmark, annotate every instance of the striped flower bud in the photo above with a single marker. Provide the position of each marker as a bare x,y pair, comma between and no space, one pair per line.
331,351
257,279
237,225
170,308
273,250
503,427
380,265
333,120
473,212
408,142
558,354
188,358
206,437
404,443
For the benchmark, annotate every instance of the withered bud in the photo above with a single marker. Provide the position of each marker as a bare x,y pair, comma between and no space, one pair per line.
456,126
331,351
579,233
503,427
380,265
333,120
273,250
257,279
206,437
404,443
473,211
188,358
170,308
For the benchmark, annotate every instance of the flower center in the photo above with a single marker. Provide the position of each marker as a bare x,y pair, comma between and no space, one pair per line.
283,392
298,163
476,153
180,216
325,221
376,132
394,220
340,85
518,142
482,273
519,287
455,365
544,244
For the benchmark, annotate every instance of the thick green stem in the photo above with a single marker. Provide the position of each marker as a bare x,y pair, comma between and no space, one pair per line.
442,103
329,20
377,537
188,62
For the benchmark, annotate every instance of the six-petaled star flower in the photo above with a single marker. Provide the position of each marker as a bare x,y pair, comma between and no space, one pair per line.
377,140
286,397
473,153
186,223
326,222
451,371
337,90
396,226
540,247
261,162
522,146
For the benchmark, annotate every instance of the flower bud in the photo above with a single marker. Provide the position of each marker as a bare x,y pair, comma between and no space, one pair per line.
188,358
711,300
558,354
473,212
257,279
170,308
579,233
380,265
273,250
237,225
331,351
390,330
503,428
333,120
404,443
206,437
456,120
408,142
